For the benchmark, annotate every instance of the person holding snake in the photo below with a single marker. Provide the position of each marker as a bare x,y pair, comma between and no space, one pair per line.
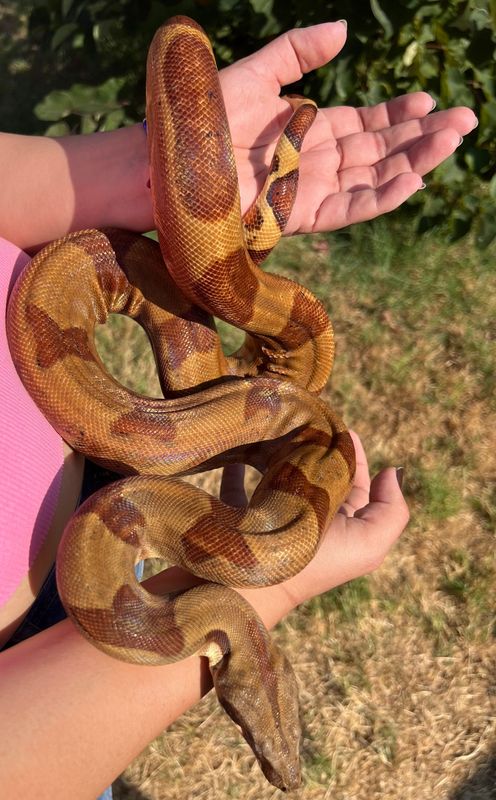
93,714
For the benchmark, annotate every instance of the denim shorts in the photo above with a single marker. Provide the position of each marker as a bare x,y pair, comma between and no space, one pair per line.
47,609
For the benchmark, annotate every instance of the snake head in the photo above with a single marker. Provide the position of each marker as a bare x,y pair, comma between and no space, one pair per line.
258,691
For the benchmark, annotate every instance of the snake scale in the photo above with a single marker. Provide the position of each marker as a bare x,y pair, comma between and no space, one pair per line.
259,406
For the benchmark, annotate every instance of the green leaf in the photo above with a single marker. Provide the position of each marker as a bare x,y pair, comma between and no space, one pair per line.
58,129
88,124
113,120
265,7
81,100
454,86
485,230
381,18
428,65
62,34
477,159
66,7
54,106
487,126
460,226
345,79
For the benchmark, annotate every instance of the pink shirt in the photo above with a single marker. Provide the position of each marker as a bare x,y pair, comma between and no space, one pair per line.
31,455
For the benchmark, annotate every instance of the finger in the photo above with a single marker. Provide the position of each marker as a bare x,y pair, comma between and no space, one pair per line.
370,147
346,120
346,208
387,508
357,546
421,157
297,52
413,107
374,529
232,487
359,494
392,112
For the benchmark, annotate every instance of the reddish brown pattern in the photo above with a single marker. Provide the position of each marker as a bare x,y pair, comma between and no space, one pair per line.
209,539
257,256
231,285
344,443
299,124
112,281
142,423
141,626
205,148
54,343
274,167
121,517
253,219
316,437
290,476
260,399
280,197
184,342
306,320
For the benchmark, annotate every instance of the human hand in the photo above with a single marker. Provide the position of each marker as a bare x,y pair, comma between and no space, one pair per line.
361,534
356,163
359,537
355,543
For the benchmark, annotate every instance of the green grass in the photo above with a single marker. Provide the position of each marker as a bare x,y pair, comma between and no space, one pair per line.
348,602
436,489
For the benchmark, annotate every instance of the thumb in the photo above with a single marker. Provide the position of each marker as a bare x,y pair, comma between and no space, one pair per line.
232,488
298,51
387,510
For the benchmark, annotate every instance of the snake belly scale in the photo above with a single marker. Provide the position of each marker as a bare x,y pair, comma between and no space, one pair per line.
259,406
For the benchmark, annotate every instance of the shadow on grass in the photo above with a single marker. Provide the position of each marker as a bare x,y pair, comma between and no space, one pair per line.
121,790
482,784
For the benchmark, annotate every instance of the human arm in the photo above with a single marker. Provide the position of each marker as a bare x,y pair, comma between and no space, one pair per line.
72,718
356,164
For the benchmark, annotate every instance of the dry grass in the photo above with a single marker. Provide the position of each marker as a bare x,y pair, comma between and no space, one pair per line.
397,670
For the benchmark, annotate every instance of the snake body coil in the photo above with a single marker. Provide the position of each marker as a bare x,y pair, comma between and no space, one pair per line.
259,406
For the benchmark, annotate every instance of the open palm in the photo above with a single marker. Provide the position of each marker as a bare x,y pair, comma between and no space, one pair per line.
356,163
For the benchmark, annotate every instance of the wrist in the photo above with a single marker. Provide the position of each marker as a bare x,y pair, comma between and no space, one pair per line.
272,603
110,174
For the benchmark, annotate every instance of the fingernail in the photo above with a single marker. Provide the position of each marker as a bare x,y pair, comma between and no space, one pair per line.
422,186
343,22
460,142
434,104
399,476
475,124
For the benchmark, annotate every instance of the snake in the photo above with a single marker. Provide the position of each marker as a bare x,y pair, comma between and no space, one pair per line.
257,406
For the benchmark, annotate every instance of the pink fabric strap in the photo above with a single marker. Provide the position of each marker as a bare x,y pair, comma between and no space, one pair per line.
31,455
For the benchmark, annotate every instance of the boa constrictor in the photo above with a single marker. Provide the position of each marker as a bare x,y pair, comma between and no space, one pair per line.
259,406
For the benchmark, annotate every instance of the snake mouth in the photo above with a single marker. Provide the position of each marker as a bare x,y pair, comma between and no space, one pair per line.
279,762
286,780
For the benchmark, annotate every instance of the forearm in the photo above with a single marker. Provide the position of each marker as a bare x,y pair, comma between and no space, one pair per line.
87,714
74,182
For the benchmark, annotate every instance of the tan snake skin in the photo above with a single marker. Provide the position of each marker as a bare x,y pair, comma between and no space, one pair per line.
259,406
